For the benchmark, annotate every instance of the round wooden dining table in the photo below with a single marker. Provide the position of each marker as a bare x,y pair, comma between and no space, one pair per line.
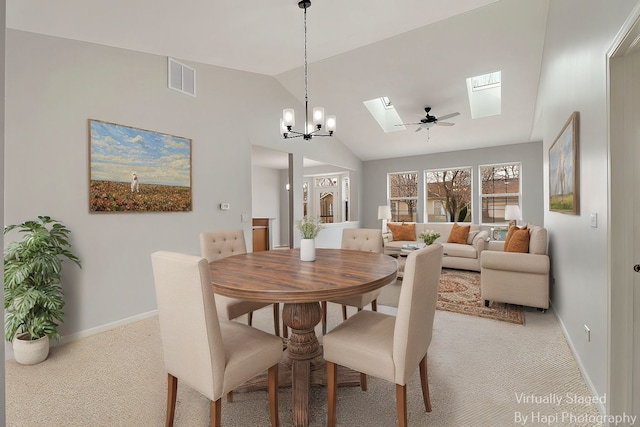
280,276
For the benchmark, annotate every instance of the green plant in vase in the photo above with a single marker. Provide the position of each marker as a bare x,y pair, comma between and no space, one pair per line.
309,227
428,237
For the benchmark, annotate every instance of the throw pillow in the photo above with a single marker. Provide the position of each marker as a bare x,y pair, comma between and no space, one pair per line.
512,230
403,231
507,239
459,233
472,235
519,241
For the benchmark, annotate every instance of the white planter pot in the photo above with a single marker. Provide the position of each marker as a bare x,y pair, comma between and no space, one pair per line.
308,250
30,352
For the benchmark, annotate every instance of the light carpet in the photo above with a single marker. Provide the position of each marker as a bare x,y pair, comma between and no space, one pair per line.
481,373
459,291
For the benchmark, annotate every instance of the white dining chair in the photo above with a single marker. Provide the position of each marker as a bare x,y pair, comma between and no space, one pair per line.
210,355
386,346
215,245
357,239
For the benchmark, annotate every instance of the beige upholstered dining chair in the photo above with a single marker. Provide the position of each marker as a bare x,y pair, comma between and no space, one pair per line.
210,355
215,245
386,346
357,239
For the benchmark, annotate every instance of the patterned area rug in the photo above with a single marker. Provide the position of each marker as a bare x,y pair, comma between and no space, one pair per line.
459,292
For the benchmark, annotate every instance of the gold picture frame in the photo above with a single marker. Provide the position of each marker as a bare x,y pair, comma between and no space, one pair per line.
137,170
564,194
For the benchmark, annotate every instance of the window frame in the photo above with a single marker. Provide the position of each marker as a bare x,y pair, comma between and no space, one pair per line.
506,195
395,217
426,194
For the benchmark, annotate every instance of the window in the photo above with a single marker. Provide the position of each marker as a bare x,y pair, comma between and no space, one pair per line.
500,187
448,195
485,94
305,198
403,196
345,198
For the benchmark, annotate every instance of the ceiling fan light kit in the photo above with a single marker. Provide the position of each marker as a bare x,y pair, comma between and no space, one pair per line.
318,119
429,120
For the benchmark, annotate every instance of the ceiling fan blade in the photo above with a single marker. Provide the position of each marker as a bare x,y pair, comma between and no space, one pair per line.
409,124
448,116
439,123
419,129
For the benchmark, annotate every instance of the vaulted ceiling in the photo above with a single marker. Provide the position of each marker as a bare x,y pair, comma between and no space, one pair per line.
416,52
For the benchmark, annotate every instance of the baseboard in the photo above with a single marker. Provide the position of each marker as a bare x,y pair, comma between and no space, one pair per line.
8,350
601,408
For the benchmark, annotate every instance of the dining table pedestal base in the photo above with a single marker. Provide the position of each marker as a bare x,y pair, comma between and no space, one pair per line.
303,347
302,364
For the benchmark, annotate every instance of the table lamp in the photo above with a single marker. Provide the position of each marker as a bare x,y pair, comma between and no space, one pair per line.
384,213
512,214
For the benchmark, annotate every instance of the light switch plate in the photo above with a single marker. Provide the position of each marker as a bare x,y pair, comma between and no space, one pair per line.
594,220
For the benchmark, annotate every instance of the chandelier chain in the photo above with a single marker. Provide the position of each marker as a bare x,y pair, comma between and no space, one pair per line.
305,55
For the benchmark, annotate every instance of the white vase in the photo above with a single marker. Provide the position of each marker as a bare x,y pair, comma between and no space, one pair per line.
308,250
30,352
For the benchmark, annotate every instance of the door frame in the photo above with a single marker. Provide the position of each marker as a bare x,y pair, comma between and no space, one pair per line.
620,390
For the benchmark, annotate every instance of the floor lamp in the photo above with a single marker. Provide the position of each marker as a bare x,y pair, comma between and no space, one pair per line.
384,213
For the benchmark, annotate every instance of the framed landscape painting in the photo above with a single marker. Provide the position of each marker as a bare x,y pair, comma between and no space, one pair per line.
563,169
136,170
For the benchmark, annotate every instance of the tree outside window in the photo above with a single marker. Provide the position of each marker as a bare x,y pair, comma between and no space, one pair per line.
403,196
500,187
448,195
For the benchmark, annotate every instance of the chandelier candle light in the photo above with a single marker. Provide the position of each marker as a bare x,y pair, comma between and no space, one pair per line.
288,120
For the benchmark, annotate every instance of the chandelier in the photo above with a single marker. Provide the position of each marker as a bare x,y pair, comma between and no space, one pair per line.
288,121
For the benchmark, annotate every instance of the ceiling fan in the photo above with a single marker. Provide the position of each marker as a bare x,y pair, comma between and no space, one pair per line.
428,120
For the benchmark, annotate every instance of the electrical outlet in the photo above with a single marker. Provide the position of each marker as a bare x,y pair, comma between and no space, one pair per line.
587,333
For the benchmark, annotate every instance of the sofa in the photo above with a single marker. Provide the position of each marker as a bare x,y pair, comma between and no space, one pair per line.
462,256
517,273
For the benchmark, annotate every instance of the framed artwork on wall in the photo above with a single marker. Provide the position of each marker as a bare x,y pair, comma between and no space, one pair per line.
563,169
136,170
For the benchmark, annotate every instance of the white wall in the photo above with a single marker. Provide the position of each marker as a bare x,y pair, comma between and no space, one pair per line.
54,85
530,154
573,78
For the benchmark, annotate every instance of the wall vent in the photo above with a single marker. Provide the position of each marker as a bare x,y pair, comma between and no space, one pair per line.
181,77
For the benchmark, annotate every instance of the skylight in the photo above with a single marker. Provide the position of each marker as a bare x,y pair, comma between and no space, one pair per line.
385,114
485,94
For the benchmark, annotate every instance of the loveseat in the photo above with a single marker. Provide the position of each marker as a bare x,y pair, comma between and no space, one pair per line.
517,273
463,256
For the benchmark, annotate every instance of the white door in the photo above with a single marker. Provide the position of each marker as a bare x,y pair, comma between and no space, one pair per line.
634,144
624,221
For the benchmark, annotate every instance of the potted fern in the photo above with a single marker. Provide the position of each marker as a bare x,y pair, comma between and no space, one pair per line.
33,297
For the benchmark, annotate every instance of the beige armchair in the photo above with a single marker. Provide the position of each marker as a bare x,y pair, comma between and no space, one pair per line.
390,347
215,245
514,277
210,355
357,239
